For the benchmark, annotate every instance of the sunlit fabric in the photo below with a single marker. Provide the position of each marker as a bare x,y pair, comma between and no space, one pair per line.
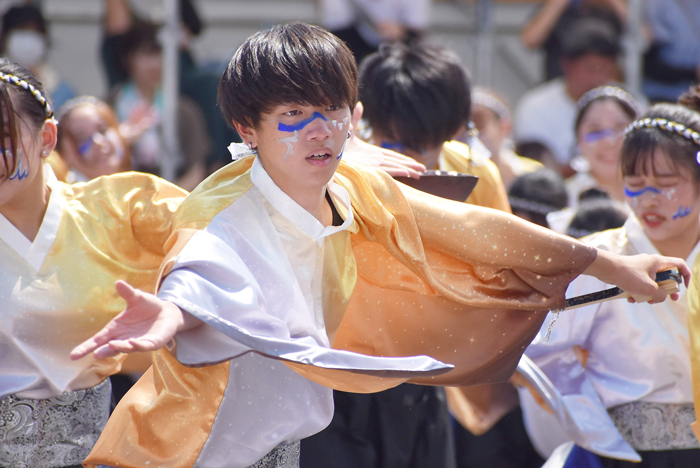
632,352
694,331
407,274
58,290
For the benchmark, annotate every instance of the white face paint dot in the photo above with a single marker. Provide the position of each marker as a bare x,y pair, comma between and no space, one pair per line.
288,141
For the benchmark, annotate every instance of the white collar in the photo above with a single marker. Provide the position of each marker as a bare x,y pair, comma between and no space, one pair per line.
642,244
291,210
35,252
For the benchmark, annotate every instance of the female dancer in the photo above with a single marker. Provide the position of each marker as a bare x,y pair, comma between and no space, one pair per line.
624,370
62,247
603,115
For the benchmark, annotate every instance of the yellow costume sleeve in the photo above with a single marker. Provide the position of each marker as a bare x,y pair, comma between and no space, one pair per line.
489,191
694,332
131,213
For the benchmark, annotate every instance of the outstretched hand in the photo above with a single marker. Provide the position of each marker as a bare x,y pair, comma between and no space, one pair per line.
147,324
391,162
636,274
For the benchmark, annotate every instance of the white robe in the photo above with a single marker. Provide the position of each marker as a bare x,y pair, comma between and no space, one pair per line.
638,352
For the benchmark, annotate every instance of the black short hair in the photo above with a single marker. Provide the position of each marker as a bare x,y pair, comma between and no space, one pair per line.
416,94
640,144
538,193
21,16
595,215
142,36
293,63
590,36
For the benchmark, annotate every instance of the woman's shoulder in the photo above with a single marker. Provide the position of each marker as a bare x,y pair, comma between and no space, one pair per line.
612,240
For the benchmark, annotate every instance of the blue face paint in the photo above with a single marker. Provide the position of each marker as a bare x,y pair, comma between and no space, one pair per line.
21,172
398,147
632,194
340,155
298,126
682,212
86,146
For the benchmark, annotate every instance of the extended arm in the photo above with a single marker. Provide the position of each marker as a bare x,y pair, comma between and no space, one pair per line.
117,18
147,324
536,32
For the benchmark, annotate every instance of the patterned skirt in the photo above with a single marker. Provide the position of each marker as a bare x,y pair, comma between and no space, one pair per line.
54,432
282,456
655,426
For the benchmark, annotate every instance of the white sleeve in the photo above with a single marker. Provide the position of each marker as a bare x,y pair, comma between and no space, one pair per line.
574,401
210,281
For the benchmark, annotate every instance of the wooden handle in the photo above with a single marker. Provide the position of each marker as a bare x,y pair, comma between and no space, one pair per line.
669,286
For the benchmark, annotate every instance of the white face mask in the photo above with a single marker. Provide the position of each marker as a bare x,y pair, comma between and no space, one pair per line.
26,47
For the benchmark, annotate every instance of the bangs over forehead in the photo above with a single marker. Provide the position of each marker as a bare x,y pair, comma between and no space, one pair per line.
640,145
638,153
288,64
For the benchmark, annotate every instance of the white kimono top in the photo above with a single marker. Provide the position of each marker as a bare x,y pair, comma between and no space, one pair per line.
636,352
58,290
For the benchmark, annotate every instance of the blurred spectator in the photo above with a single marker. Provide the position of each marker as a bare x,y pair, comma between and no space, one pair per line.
551,24
139,103
603,115
198,84
672,63
492,118
597,214
364,24
89,140
24,39
537,151
547,112
536,194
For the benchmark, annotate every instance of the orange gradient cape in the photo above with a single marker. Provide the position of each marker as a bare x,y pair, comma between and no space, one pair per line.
414,275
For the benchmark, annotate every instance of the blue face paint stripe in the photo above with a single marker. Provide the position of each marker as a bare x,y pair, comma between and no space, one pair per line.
682,212
21,172
298,126
342,150
632,194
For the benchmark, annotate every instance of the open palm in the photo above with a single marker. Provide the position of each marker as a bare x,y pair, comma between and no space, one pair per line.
147,324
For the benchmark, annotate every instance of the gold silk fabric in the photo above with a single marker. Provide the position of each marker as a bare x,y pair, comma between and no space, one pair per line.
109,229
694,332
418,274
489,191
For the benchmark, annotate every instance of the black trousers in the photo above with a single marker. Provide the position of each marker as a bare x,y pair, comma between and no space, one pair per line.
404,427
505,445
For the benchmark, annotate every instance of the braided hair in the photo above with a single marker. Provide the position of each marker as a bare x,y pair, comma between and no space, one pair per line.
23,101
